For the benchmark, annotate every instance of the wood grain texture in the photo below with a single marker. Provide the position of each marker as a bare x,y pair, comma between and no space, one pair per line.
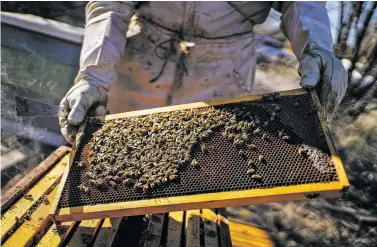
212,200
57,234
73,152
225,238
107,232
244,234
32,229
192,228
15,214
84,233
175,227
153,237
196,105
18,190
210,228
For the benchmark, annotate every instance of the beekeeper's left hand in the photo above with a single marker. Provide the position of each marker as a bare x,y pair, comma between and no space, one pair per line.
321,70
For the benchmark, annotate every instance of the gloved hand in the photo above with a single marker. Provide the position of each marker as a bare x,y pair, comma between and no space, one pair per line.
320,69
81,98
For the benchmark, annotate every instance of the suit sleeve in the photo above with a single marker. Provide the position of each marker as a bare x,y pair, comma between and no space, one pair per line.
303,22
104,41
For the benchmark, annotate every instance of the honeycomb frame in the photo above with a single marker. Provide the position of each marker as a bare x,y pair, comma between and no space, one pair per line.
222,195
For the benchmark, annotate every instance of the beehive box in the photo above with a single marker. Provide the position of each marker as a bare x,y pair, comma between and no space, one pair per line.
260,149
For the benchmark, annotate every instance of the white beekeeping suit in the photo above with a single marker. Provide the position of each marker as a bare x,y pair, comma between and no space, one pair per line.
191,51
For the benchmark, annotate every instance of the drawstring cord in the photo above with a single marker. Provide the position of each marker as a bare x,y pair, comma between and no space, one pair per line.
171,51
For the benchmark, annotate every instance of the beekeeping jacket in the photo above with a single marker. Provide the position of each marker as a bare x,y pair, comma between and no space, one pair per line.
186,51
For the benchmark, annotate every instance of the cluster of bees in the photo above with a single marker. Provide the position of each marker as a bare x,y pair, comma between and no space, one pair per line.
147,152
319,159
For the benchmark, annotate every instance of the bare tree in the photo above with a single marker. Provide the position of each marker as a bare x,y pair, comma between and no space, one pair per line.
360,34
357,16
341,23
346,27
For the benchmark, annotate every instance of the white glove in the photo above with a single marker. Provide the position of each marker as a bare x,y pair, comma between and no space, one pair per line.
81,98
103,45
320,69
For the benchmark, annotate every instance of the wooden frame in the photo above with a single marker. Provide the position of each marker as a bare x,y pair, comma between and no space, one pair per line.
20,188
210,200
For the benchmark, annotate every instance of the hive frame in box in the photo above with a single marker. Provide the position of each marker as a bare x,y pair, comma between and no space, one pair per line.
209,200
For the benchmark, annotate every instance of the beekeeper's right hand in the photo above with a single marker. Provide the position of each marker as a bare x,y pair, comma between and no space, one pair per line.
83,98
103,45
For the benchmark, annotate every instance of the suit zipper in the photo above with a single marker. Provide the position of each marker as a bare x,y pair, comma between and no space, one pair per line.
187,31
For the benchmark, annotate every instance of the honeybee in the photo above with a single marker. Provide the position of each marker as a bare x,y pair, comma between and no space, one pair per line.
92,182
257,131
99,182
238,142
207,133
138,186
117,179
28,197
242,153
250,172
251,146
244,136
281,133
261,158
256,176
302,152
286,138
225,134
120,173
90,175
157,182
127,181
250,163
152,185
146,187
112,183
83,188
142,180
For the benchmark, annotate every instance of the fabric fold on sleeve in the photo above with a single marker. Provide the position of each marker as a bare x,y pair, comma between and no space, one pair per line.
303,22
104,41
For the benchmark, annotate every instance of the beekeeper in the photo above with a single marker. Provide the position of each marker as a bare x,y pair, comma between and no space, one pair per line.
191,51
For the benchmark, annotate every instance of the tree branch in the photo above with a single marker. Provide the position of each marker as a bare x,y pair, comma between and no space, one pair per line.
360,34
341,24
347,28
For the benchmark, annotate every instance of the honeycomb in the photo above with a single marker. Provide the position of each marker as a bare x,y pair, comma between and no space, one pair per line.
224,168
